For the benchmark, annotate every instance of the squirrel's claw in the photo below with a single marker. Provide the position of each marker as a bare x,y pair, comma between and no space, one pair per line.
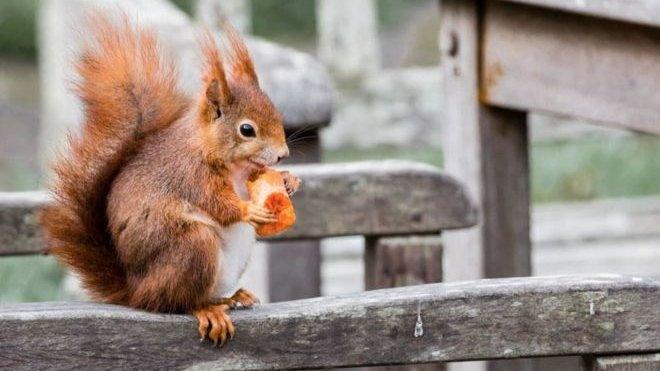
220,327
246,298
291,182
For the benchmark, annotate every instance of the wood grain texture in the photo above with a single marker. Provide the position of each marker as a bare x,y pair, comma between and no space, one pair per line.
364,198
502,318
572,65
636,362
402,261
486,148
645,12
19,225
399,262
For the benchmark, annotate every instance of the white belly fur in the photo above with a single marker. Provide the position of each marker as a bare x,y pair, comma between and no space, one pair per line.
233,256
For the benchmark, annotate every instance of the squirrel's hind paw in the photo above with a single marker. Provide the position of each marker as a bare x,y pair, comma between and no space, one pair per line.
214,323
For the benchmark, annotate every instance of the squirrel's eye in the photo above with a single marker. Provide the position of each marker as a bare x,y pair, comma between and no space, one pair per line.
247,130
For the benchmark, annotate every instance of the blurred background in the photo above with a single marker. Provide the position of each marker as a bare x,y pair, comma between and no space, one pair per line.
586,180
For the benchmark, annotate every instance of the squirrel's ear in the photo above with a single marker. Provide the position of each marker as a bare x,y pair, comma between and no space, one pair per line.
214,100
216,89
242,69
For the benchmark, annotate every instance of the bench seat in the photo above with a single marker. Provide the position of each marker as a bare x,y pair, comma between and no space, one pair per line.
499,318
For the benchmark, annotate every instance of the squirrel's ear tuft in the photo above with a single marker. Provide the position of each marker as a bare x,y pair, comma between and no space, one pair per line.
241,66
216,88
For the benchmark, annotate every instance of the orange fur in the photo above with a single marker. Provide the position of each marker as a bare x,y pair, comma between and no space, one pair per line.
128,91
143,192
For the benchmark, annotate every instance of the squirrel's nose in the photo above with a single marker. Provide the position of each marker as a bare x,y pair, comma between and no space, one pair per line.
284,153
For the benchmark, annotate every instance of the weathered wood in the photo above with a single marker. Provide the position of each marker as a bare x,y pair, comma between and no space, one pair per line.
602,70
363,198
503,318
645,12
19,225
402,261
636,362
486,148
399,262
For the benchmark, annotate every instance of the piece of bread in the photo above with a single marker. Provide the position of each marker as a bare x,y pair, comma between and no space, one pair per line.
268,190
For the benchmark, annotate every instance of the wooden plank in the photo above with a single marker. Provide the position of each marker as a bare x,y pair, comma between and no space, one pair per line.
363,198
399,262
19,225
486,148
402,261
505,318
567,64
601,219
636,362
646,12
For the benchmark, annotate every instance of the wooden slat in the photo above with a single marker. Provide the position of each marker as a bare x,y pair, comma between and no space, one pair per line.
502,318
399,262
567,64
486,148
633,362
402,261
645,12
386,197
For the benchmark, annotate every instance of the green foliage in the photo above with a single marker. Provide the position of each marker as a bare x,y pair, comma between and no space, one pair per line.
596,168
30,278
427,155
17,176
17,28
185,5
285,21
561,171
390,11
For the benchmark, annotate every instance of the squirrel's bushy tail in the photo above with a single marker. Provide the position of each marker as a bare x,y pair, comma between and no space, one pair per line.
127,90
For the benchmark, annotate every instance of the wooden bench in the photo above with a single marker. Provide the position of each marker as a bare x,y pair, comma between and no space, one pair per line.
596,60
371,198
590,316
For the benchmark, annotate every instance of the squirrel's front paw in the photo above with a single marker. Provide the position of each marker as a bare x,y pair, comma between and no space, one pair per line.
245,298
257,215
291,182
214,323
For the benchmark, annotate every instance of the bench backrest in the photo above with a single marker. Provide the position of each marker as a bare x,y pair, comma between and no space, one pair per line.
365,198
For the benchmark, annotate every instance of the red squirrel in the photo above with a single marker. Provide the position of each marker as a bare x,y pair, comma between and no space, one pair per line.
150,205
